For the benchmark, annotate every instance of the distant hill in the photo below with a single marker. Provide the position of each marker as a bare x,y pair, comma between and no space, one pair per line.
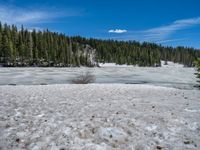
49,49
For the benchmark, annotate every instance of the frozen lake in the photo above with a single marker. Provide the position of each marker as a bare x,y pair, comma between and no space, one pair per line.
168,76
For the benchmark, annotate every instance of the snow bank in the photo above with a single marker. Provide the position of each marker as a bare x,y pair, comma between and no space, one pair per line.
171,64
113,65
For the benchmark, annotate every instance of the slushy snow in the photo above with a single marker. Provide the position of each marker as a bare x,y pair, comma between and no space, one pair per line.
171,75
142,109
99,117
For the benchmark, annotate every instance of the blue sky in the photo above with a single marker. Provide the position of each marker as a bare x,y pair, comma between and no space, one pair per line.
166,22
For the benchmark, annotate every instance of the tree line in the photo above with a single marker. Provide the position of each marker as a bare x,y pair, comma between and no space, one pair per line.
40,48
142,54
21,47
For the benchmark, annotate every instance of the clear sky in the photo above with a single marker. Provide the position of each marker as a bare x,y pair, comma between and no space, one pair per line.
166,22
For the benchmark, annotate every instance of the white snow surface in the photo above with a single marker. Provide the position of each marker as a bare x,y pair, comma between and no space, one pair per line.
171,75
99,117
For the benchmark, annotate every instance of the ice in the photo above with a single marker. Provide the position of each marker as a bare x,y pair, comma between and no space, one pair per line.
171,75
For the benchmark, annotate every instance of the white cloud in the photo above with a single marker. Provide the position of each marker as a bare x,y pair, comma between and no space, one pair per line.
16,15
117,31
191,21
170,40
163,32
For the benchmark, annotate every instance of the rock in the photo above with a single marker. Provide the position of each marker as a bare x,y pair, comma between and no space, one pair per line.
159,147
17,140
188,142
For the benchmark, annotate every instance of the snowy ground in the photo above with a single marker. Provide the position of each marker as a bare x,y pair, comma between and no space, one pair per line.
171,75
142,109
99,117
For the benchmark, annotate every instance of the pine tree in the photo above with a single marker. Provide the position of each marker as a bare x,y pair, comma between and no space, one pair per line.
7,48
45,48
30,47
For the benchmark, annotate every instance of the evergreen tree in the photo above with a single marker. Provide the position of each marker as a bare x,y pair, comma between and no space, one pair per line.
45,48
30,47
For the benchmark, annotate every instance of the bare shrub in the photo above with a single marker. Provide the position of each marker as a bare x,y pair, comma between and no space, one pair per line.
84,79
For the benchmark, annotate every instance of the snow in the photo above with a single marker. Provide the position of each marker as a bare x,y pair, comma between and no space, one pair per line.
140,108
112,135
172,75
113,65
169,64
99,117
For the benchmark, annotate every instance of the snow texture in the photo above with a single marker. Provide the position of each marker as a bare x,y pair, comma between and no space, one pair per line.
99,117
171,75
